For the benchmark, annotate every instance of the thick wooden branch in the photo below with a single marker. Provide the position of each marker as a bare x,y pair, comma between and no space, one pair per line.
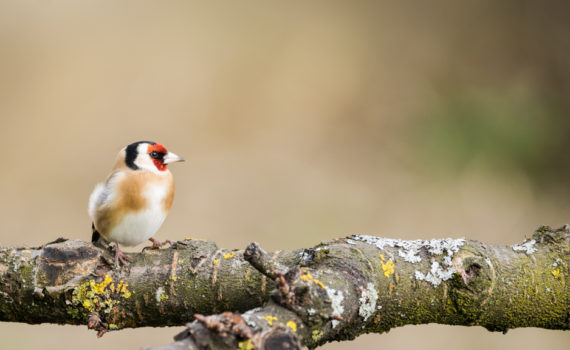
334,291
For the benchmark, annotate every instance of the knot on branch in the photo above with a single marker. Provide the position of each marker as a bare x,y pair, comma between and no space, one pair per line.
230,331
472,286
224,331
279,338
96,323
63,261
296,289
546,235
226,324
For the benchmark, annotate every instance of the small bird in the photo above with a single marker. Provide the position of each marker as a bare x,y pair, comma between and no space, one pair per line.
131,205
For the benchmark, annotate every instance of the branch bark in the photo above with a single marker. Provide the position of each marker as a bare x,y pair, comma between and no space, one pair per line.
336,290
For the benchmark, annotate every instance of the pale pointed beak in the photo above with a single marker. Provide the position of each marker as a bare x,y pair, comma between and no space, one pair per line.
172,158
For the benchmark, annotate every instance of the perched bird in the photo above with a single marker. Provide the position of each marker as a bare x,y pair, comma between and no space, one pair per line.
131,205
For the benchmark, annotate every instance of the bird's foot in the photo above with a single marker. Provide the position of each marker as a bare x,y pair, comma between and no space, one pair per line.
121,257
157,244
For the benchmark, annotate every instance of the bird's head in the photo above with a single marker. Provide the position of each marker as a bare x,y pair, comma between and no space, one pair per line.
148,155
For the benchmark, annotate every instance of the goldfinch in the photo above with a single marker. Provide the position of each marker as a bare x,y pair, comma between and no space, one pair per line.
131,205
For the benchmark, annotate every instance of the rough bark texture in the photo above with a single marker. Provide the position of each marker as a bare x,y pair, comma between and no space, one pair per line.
292,299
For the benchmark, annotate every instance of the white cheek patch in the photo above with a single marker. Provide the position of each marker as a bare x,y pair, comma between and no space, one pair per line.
144,161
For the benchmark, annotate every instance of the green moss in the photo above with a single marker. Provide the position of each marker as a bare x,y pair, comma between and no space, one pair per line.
76,313
535,298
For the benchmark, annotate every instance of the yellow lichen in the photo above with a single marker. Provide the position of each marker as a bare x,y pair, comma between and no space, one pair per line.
270,319
319,283
292,325
229,255
87,304
160,295
387,267
316,335
307,277
125,293
246,345
216,261
101,296
98,288
556,273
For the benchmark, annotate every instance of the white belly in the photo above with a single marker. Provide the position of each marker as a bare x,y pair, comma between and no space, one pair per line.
135,228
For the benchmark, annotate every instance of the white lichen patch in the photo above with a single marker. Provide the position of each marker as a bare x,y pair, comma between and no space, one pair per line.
159,294
236,265
249,317
411,255
305,255
436,275
410,250
350,241
439,246
368,301
336,298
380,243
527,247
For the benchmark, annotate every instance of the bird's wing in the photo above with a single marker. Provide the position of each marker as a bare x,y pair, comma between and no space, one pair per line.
95,199
103,194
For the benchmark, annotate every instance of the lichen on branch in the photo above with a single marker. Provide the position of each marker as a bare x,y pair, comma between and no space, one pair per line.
336,290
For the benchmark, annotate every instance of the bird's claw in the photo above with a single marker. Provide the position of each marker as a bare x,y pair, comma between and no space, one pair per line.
121,257
157,244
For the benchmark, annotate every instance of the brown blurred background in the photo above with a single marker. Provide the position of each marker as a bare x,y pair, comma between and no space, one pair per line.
300,121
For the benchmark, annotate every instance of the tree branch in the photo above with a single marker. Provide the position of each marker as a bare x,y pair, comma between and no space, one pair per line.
290,299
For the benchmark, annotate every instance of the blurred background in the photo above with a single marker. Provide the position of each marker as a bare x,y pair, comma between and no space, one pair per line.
300,122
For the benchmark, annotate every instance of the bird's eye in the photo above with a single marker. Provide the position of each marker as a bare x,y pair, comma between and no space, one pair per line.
154,154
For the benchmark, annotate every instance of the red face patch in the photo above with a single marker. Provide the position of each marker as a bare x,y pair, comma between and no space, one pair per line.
157,147
158,163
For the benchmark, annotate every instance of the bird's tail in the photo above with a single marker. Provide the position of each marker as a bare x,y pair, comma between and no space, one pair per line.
95,235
